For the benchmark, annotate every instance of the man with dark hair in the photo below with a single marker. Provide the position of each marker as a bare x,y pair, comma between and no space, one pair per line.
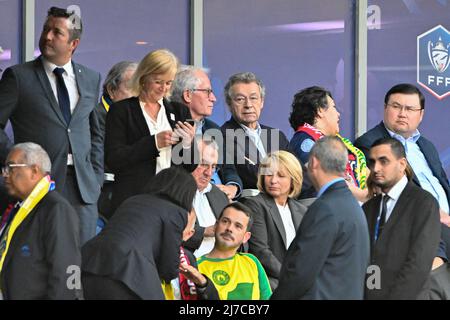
404,109
247,141
330,253
403,225
50,101
236,276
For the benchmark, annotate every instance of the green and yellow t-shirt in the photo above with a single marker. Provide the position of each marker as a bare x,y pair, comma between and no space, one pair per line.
241,277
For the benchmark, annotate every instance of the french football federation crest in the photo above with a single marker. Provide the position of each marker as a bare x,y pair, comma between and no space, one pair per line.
433,60
438,55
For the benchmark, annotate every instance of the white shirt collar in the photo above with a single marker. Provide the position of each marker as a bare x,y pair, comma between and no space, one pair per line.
398,188
206,190
250,130
49,66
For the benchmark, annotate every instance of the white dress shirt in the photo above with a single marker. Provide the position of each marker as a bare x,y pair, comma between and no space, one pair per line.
69,80
394,194
161,124
71,84
288,223
205,218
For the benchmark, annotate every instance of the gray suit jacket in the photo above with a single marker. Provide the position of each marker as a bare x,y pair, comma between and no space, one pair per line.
268,240
329,256
217,200
27,100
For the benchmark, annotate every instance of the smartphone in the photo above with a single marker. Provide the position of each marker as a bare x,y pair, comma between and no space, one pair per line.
190,121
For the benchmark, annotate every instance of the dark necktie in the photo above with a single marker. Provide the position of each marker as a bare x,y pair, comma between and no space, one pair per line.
63,94
382,217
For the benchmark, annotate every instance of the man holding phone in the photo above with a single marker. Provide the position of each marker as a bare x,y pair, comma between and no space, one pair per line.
192,87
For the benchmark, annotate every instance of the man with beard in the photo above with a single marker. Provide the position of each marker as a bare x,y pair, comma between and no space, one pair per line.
237,276
403,224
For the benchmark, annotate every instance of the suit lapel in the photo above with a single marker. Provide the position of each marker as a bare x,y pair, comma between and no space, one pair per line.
296,213
276,217
397,212
211,196
17,237
138,117
45,83
171,115
81,81
431,162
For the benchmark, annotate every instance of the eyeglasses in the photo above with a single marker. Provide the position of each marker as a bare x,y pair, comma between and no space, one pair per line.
408,109
208,91
241,100
8,168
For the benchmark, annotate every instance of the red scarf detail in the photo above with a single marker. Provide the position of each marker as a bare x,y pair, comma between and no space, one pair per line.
187,287
315,134
311,131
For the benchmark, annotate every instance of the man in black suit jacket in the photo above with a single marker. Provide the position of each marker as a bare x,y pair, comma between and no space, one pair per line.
209,200
115,88
330,253
403,225
403,113
55,110
40,246
192,87
246,140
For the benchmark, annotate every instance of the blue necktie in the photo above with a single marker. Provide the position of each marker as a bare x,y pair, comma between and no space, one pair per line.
63,94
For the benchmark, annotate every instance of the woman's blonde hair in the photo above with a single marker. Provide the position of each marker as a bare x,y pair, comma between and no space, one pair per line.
156,62
283,160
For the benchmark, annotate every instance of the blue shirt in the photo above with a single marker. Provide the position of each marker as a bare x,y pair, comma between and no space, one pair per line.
421,168
255,137
327,185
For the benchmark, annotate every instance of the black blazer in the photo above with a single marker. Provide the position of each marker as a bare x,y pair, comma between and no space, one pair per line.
329,256
406,248
268,240
140,245
233,133
42,249
130,150
217,200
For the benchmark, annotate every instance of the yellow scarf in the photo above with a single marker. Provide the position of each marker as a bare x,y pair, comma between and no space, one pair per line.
167,290
105,104
40,190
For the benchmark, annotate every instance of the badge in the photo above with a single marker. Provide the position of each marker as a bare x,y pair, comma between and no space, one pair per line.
307,145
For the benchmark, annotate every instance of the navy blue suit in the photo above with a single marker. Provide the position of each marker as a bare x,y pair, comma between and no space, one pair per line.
365,142
329,256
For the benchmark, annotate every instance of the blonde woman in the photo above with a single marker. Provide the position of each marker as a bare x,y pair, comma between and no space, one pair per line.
141,130
277,214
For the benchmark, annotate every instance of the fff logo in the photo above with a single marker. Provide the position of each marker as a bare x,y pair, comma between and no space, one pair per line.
433,60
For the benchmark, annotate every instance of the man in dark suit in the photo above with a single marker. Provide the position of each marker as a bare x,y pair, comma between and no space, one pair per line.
403,225
50,101
330,253
115,88
246,140
209,200
404,108
39,246
192,87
